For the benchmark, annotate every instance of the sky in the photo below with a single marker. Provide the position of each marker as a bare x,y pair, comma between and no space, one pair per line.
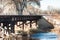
52,3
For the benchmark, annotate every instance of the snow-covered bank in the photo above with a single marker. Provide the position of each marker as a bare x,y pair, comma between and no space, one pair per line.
55,21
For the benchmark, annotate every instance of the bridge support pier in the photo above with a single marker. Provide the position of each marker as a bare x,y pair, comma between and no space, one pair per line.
34,24
27,26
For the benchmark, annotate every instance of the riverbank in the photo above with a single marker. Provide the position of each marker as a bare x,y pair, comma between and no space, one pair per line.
55,21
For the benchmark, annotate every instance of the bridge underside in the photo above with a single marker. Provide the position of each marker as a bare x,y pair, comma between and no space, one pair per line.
14,18
11,20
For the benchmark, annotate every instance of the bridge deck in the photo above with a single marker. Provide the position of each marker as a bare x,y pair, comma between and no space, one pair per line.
5,18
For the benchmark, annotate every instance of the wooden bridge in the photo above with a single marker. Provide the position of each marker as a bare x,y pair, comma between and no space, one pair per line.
10,20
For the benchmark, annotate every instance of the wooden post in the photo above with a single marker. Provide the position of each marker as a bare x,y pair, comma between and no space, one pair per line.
30,23
23,25
7,28
36,22
12,27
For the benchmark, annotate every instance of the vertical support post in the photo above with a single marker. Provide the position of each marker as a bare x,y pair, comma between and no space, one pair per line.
12,27
36,22
3,25
23,25
30,24
0,24
7,27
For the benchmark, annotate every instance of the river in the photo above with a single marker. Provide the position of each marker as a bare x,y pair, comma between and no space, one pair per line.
45,36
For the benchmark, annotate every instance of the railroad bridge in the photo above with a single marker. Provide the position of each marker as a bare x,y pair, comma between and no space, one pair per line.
8,22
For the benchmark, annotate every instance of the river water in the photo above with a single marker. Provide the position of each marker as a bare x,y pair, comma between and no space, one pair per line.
37,36
45,36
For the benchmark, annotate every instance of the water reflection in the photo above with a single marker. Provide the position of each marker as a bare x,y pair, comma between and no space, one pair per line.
17,37
45,36
37,36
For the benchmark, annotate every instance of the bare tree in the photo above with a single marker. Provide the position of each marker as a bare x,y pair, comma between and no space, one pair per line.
20,4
